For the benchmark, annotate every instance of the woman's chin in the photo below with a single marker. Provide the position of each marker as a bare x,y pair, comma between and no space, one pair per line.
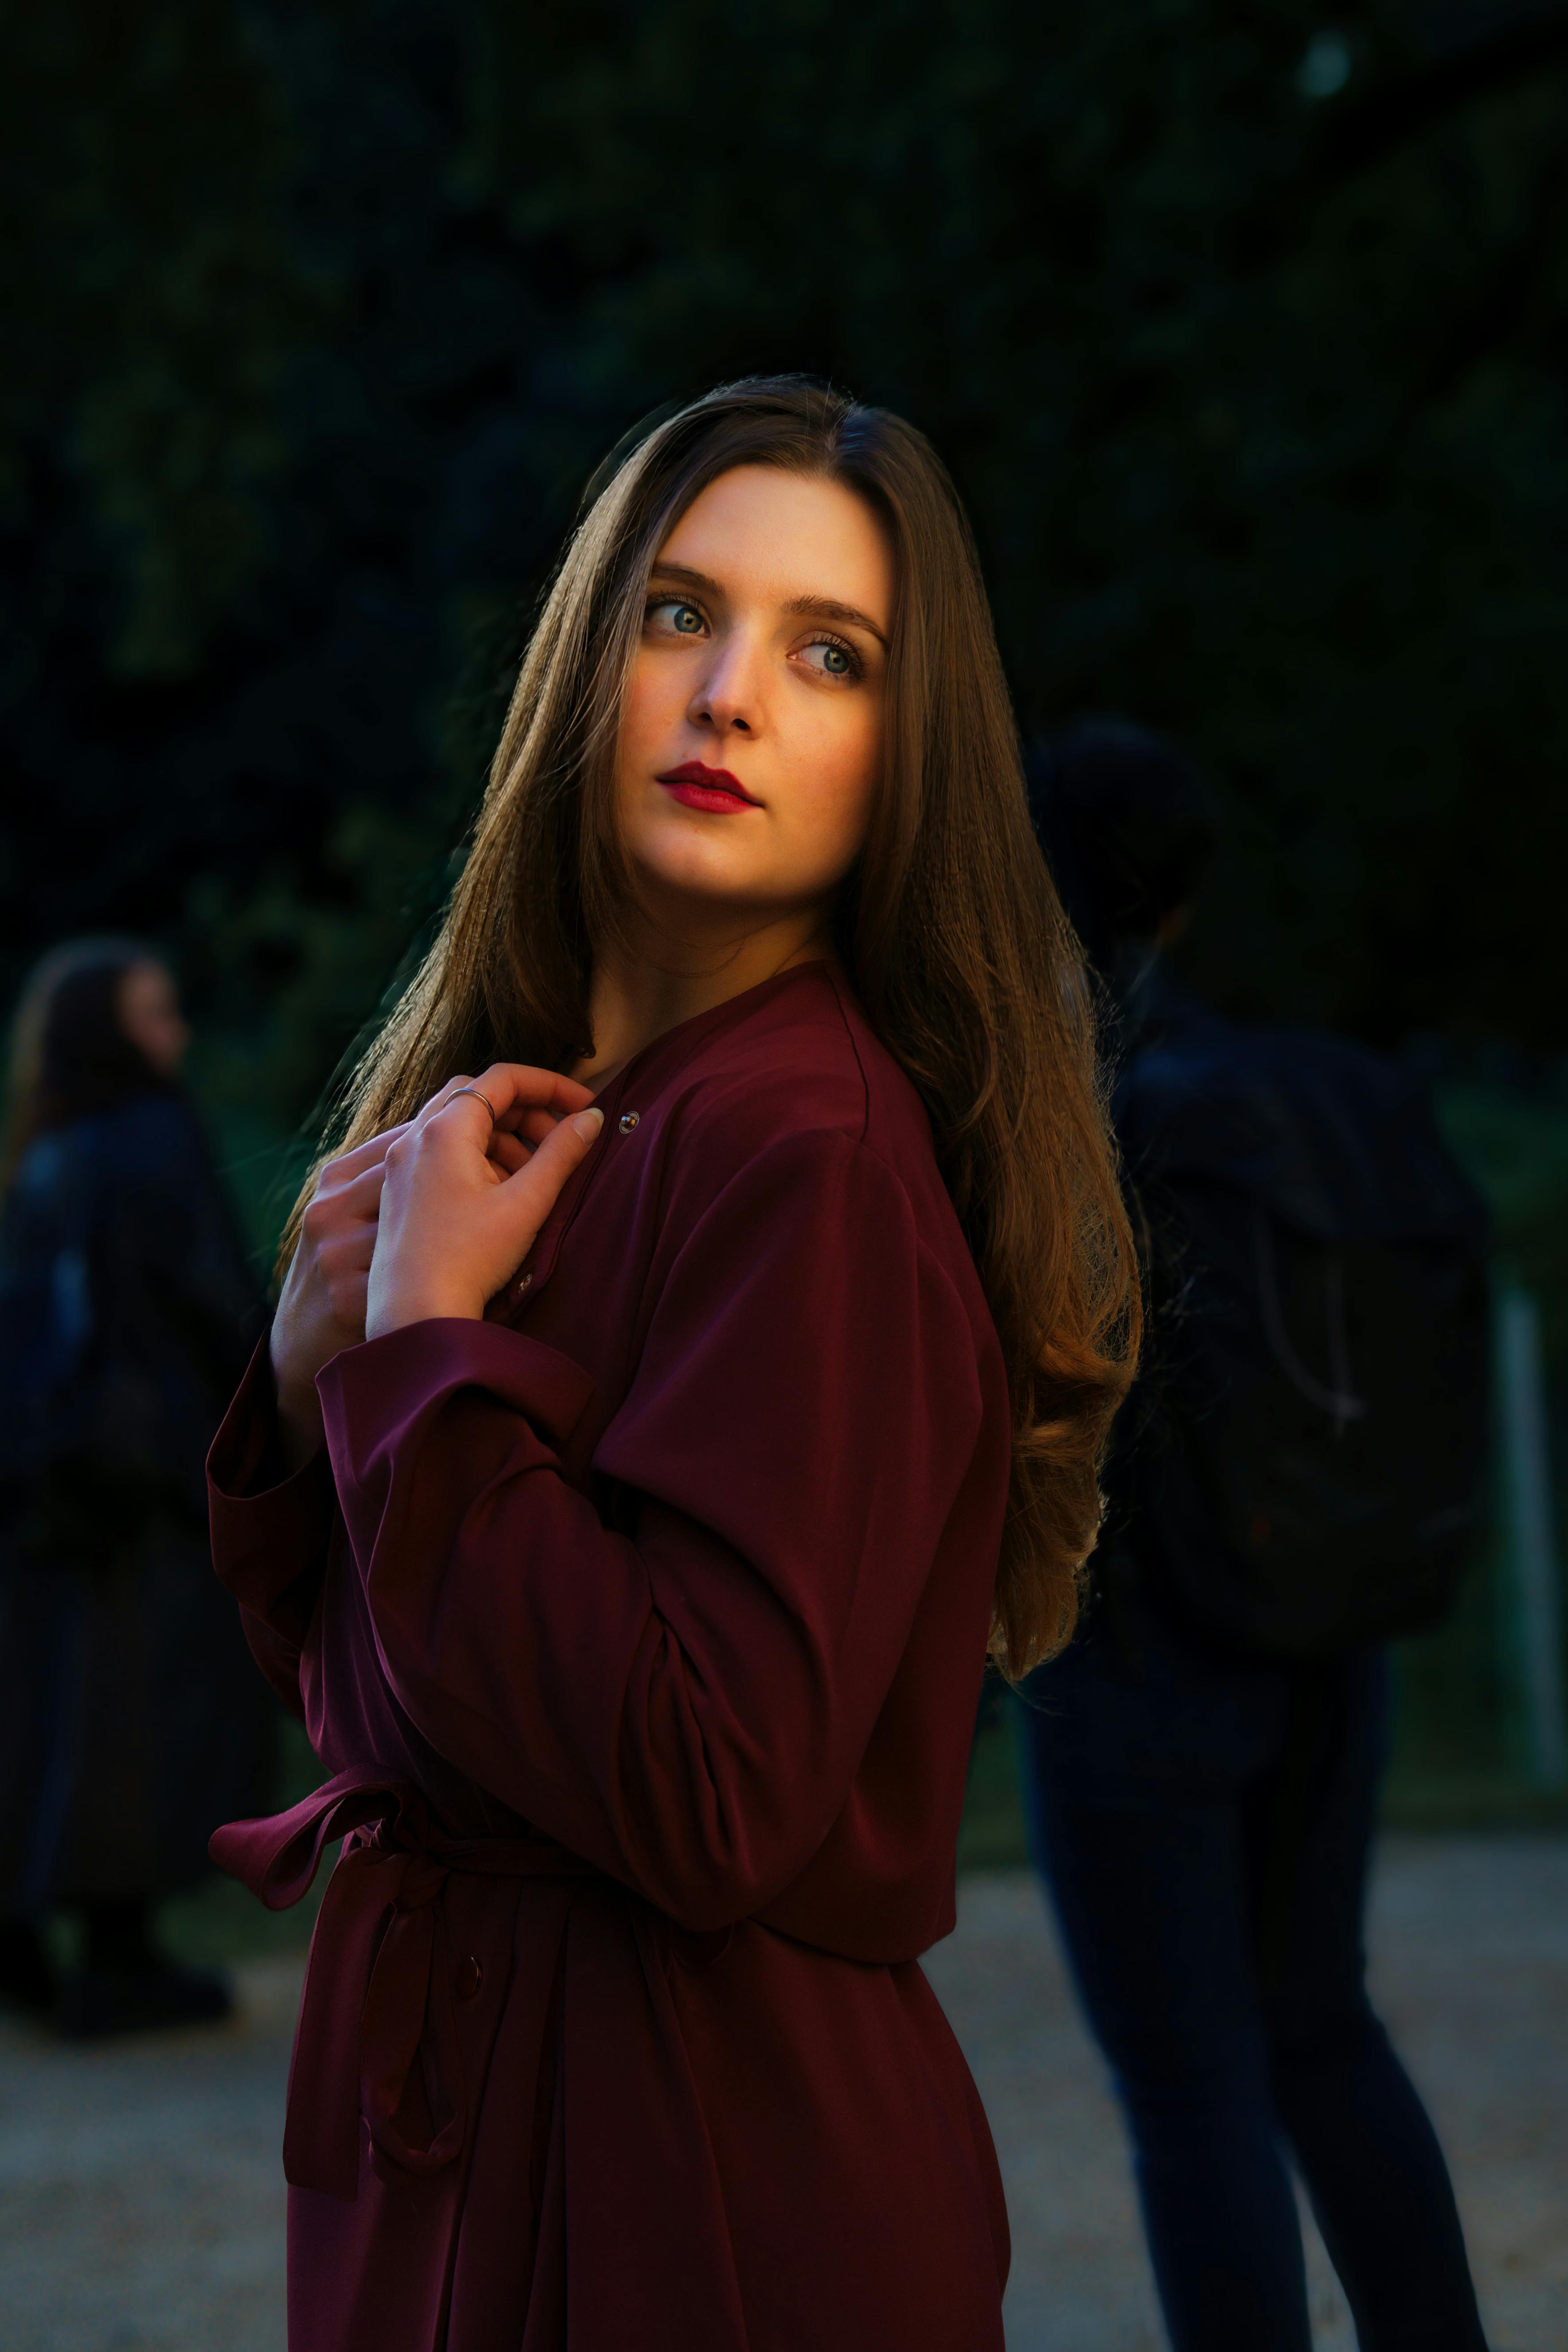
707,877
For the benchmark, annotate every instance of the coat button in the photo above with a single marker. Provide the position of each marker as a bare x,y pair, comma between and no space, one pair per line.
628,1120
470,1975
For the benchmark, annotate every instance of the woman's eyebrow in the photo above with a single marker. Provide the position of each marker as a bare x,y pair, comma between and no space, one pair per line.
694,579
827,608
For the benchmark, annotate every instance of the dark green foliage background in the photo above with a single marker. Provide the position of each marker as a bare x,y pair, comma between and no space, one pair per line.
323,312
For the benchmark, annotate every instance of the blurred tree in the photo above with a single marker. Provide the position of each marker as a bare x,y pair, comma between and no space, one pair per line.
1245,335
153,297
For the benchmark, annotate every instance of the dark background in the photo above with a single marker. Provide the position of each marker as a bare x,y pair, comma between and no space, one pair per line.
1244,330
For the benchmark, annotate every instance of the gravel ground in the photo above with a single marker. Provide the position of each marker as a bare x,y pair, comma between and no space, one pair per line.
141,2204
1469,1938
141,2193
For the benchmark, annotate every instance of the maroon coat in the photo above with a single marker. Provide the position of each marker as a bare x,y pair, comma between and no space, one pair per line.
641,1626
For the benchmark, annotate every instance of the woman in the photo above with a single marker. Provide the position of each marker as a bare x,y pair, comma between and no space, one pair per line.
130,1720
621,1496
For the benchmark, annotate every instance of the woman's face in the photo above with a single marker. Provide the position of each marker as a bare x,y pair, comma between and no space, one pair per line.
149,1014
750,738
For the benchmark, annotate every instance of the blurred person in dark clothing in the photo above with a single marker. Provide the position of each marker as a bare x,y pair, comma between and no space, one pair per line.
1294,1479
131,1723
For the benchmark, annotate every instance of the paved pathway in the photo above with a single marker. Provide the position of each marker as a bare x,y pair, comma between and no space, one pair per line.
1469,1961
142,2208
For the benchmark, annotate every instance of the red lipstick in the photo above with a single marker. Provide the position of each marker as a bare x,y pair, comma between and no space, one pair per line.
712,789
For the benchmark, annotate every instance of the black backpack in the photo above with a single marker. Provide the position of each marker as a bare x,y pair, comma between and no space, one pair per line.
1302,1467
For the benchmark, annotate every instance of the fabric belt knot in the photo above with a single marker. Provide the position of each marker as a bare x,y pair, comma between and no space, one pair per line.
379,1970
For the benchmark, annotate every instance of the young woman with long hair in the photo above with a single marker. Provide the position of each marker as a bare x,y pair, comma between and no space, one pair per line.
697,1350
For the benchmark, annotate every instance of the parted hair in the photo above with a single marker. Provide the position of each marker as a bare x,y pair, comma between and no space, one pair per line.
948,926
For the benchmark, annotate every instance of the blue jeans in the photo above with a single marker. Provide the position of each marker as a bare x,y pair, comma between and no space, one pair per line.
1202,1826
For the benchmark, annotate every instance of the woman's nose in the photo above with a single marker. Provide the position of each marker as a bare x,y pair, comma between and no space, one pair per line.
731,692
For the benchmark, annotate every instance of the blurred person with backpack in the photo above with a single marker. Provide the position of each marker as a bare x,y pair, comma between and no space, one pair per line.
131,1721
1298,1477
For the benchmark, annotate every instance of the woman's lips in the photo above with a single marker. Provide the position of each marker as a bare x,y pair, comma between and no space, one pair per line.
713,789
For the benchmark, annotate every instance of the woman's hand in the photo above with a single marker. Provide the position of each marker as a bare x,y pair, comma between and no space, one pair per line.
461,1202
321,1309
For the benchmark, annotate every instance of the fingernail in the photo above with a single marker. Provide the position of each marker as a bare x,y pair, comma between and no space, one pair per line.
588,1123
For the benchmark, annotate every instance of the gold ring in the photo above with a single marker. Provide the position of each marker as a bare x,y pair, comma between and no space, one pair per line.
479,1098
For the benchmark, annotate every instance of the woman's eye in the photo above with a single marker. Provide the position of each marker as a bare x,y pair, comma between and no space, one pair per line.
831,659
685,620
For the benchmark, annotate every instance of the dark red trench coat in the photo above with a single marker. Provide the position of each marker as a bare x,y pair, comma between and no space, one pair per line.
641,1627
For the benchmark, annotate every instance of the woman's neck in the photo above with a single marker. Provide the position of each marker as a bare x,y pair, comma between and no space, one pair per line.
656,980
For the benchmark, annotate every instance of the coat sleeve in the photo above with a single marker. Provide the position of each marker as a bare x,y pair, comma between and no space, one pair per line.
269,1535
685,1704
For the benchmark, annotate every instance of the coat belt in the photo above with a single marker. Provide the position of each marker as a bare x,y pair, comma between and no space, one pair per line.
372,1980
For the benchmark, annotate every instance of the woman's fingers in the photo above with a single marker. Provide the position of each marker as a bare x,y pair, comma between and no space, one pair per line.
439,1101
533,1190
526,1101
361,1196
529,1106
452,1226
514,1089
367,1155
533,1126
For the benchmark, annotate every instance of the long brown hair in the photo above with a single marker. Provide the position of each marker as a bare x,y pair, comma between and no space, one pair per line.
950,928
